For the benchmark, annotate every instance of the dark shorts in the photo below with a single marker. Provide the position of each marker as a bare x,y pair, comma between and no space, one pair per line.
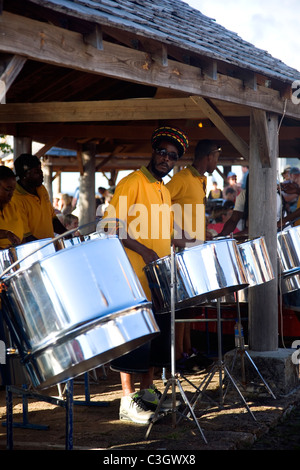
155,353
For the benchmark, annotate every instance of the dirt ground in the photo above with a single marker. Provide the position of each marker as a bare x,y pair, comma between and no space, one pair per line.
96,425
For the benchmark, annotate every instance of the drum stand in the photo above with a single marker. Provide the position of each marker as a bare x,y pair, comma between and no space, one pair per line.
223,371
240,349
174,380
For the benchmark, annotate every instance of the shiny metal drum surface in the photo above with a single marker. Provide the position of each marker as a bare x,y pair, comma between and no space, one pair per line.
256,260
289,283
68,242
77,309
258,268
203,273
10,255
288,250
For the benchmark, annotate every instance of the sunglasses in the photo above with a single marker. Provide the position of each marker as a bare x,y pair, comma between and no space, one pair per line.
173,156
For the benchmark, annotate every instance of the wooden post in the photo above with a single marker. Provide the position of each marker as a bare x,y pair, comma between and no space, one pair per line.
22,145
263,299
47,171
87,200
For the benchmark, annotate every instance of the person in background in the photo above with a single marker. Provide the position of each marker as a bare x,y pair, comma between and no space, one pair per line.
145,188
245,171
286,174
103,203
66,204
32,199
239,215
215,192
220,217
230,195
188,188
291,199
70,221
11,225
232,183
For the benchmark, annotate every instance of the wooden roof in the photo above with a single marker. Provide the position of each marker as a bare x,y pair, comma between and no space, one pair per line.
106,73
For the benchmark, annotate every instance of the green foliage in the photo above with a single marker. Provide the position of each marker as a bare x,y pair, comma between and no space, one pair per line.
4,147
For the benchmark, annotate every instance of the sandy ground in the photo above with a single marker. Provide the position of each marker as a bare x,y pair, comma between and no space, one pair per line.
96,425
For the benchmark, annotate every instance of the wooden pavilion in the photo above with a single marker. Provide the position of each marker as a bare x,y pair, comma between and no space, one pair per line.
97,76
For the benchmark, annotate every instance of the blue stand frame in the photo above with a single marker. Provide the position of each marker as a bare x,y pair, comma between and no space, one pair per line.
67,404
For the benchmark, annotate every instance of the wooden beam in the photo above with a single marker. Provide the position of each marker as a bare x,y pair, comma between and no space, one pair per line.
260,121
51,44
88,111
215,116
11,70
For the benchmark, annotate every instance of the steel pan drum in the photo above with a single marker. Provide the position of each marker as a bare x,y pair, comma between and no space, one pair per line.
68,242
290,283
256,261
78,309
258,267
10,255
288,250
203,273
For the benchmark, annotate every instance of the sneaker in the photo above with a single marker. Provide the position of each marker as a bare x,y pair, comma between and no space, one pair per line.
132,408
151,397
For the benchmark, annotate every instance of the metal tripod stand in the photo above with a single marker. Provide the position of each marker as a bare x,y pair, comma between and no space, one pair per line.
220,368
240,349
174,380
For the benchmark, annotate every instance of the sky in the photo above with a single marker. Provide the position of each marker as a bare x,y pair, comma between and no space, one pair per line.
270,25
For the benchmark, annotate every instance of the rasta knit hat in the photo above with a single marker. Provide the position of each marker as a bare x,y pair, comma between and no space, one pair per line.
172,134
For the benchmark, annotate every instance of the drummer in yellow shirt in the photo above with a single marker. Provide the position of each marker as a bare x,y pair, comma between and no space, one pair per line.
11,225
32,200
141,209
188,194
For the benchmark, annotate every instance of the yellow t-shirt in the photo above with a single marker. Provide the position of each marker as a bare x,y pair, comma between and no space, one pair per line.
143,204
188,195
37,212
10,219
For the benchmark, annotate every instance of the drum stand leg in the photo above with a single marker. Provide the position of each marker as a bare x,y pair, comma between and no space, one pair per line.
240,349
221,368
67,404
174,380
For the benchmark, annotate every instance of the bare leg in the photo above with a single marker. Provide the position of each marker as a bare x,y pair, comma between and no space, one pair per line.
147,379
127,383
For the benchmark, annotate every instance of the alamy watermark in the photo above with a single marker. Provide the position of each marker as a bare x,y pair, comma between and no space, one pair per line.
296,93
154,221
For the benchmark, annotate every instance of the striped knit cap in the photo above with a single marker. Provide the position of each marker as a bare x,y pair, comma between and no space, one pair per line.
172,134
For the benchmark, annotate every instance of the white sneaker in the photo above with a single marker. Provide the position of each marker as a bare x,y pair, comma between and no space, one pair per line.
151,397
132,408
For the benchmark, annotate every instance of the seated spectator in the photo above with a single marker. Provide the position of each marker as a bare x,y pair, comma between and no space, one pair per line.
215,192
220,216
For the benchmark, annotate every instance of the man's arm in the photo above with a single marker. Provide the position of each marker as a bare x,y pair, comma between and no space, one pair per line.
231,223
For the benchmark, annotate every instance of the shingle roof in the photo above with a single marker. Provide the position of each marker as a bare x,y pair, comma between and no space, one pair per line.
175,22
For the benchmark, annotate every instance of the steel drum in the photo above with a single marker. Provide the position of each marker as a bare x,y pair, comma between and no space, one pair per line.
256,260
68,242
258,268
290,283
288,250
203,273
76,310
37,250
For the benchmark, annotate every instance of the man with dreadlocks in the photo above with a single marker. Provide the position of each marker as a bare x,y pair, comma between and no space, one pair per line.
147,239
